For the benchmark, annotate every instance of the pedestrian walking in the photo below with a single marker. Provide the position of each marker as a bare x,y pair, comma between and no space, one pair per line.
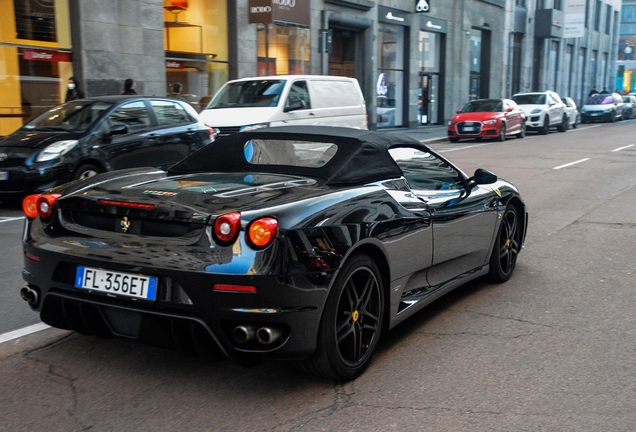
129,87
593,91
74,92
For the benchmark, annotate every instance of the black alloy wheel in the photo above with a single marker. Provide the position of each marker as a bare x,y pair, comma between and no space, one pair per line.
502,132
351,324
563,127
546,126
507,246
86,171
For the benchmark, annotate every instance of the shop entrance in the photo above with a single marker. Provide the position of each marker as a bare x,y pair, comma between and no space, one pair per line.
428,99
342,59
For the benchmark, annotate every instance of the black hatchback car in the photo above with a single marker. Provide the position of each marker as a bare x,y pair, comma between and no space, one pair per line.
86,137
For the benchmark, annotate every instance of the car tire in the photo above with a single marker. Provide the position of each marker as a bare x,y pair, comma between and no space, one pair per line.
522,134
454,140
507,246
502,133
613,117
576,122
546,126
563,126
86,171
351,322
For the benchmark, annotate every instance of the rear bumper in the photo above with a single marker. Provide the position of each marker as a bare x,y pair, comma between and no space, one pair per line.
291,306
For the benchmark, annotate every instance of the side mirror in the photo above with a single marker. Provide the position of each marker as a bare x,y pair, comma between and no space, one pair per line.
118,130
298,104
483,176
509,109
459,111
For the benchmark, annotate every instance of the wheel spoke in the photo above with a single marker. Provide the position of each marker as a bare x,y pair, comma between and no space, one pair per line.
356,343
350,290
367,293
344,331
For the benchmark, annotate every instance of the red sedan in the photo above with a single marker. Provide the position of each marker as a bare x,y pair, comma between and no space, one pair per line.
488,118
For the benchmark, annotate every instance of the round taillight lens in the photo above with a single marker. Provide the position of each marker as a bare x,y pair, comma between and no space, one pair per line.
29,206
227,228
46,205
262,232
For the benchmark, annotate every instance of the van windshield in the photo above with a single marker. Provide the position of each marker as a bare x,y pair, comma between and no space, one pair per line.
248,94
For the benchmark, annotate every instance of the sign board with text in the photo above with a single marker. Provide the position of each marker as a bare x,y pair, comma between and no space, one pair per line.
574,18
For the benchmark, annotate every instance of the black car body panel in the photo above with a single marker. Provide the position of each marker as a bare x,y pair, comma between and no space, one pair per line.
424,242
158,143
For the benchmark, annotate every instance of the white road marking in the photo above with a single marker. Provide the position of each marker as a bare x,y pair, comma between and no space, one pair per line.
571,163
583,128
12,219
467,147
15,334
623,148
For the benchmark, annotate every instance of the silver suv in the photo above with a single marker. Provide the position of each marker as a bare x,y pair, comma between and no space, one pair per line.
543,110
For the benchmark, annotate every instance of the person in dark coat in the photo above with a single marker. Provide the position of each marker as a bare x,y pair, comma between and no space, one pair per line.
74,92
593,91
176,92
129,87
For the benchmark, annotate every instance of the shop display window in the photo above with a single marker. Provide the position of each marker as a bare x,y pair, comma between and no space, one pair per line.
283,50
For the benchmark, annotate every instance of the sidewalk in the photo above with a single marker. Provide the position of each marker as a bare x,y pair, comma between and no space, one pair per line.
428,134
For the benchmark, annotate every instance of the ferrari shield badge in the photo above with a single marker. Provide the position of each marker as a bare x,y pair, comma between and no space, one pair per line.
497,191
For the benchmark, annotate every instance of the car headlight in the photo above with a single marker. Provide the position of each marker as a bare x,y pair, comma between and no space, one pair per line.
490,122
583,110
56,150
252,127
536,111
450,122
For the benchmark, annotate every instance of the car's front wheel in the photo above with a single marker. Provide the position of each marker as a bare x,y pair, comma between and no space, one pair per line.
502,132
546,126
507,246
522,134
351,323
86,171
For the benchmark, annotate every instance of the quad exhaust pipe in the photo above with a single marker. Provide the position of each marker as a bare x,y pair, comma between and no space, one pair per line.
29,295
265,335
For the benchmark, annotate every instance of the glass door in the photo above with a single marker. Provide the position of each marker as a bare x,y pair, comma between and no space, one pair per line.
428,99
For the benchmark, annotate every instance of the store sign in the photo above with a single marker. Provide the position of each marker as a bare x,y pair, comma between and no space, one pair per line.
46,55
174,64
283,11
574,19
394,16
422,6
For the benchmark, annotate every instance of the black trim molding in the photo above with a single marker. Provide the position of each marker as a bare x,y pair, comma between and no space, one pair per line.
364,5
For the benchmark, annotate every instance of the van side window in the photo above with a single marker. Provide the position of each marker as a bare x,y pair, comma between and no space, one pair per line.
298,91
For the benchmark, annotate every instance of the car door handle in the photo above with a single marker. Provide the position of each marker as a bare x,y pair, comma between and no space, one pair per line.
191,132
312,114
153,137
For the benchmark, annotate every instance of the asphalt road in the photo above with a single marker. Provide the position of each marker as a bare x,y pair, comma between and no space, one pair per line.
553,349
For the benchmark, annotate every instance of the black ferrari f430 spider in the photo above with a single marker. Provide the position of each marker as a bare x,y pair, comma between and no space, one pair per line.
294,243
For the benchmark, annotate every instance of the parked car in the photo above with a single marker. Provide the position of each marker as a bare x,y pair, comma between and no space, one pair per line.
300,243
487,118
543,110
629,107
85,137
286,100
571,111
602,107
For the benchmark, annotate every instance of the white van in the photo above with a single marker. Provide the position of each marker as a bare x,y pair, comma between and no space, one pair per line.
285,100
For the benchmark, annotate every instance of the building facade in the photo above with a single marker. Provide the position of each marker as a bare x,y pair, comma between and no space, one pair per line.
417,61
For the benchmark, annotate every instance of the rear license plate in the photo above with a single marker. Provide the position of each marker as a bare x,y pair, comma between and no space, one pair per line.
468,129
4,175
111,282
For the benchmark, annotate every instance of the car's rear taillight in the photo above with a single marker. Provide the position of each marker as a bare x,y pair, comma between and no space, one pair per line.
46,205
262,232
227,228
29,206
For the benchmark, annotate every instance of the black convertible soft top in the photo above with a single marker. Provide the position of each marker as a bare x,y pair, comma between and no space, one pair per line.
362,155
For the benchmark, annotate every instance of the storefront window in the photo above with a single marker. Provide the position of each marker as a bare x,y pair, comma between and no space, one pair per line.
429,51
390,81
195,40
282,50
35,59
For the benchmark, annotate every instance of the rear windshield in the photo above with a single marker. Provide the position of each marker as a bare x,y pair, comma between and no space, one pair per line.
600,100
529,99
286,152
76,116
249,94
493,105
